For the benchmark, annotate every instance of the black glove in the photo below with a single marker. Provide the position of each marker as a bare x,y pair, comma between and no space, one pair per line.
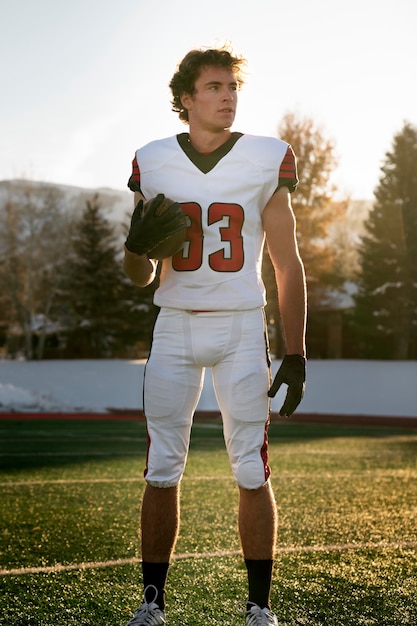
292,372
147,229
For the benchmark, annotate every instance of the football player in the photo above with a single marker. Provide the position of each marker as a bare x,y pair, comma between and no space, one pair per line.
235,191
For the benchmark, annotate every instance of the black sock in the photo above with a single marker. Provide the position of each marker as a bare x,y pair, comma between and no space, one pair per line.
155,574
259,579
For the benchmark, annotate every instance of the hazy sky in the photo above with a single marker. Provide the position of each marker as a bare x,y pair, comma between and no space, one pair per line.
85,82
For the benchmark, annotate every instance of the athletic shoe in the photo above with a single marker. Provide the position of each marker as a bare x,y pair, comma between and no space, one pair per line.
149,614
260,617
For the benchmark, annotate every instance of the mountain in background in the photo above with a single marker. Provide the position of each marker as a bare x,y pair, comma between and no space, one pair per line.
117,204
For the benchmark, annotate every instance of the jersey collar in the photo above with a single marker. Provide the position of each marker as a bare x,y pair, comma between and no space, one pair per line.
206,162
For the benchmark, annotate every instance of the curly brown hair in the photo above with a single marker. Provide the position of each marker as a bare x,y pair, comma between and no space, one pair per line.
189,69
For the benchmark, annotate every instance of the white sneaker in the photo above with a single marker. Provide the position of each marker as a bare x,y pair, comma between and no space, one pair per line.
149,614
260,617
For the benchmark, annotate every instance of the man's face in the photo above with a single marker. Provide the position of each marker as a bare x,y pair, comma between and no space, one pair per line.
212,106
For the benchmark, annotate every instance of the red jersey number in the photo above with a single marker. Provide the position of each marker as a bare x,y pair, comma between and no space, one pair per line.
228,258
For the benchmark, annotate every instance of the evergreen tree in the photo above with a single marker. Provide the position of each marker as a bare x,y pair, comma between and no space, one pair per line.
96,290
385,315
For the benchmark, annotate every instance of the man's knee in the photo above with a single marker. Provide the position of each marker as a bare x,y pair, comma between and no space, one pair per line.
251,474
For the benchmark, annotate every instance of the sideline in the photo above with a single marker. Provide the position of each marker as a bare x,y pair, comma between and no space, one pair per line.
298,418
342,547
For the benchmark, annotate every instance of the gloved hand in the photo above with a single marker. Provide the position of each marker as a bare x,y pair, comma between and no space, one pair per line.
292,372
148,229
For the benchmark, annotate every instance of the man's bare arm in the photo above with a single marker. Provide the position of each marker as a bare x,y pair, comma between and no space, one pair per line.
279,225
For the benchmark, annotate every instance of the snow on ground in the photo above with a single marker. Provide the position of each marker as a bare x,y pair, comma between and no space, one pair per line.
380,388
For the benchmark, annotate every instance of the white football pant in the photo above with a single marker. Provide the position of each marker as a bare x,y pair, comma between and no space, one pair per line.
234,345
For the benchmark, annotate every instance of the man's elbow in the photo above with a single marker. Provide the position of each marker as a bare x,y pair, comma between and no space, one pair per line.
141,274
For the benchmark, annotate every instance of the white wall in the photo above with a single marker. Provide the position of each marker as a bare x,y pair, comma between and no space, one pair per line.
381,388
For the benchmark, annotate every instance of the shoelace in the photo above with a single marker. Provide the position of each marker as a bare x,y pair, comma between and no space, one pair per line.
258,617
144,615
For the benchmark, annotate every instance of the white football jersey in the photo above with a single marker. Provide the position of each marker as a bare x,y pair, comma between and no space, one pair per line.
223,194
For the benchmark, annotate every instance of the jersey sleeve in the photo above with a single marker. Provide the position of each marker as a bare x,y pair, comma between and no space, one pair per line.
134,180
288,176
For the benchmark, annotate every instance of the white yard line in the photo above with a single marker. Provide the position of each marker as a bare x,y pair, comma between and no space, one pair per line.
343,547
64,454
74,481
69,481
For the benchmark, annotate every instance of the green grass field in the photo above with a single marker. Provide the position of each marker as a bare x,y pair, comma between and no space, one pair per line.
69,502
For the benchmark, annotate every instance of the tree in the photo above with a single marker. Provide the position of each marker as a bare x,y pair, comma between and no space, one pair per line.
385,314
316,213
92,287
33,244
96,296
346,236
